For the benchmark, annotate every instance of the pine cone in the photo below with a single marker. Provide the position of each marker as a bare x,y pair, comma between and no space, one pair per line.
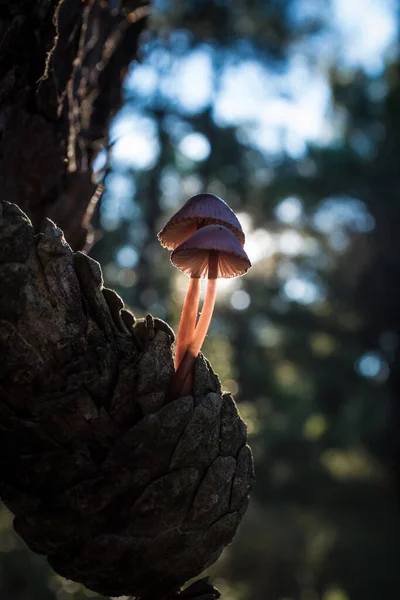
122,491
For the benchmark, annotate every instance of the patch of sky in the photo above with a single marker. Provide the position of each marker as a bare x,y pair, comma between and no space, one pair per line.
356,35
158,55
189,84
367,31
195,146
143,79
260,244
262,137
167,69
99,163
118,203
289,211
291,242
243,87
338,213
135,141
295,147
123,123
279,111
287,269
121,185
303,290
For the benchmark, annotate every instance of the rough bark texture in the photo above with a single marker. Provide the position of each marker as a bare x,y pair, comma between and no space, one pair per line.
122,491
61,68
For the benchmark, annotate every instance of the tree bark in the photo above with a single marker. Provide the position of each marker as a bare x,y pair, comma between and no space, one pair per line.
61,70
122,491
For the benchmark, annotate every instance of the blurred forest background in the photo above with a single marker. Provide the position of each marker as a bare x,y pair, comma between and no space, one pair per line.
290,111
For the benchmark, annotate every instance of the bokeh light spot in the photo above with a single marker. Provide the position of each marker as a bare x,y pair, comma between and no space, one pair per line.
291,243
135,142
232,386
143,79
240,300
127,257
341,213
289,210
286,373
335,594
322,344
259,245
350,463
314,427
372,365
302,291
195,146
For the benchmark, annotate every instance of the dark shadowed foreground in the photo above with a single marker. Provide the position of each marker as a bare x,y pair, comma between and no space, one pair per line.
121,491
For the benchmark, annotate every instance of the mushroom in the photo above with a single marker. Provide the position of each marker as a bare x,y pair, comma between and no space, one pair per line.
213,252
199,211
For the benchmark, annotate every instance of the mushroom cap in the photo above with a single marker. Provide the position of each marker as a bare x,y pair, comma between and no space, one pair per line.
191,257
199,211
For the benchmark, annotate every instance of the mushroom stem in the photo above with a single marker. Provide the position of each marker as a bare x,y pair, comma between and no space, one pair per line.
188,319
183,379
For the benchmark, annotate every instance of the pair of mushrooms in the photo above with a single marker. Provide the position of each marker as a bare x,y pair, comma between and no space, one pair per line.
207,241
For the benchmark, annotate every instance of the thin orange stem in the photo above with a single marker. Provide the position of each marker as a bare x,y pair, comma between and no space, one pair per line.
188,319
182,382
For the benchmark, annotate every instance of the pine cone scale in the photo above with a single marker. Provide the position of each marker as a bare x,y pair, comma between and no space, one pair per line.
124,492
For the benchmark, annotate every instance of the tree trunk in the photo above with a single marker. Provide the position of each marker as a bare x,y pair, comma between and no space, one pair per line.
121,491
60,82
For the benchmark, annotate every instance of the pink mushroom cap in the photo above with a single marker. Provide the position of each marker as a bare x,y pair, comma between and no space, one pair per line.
192,256
199,211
